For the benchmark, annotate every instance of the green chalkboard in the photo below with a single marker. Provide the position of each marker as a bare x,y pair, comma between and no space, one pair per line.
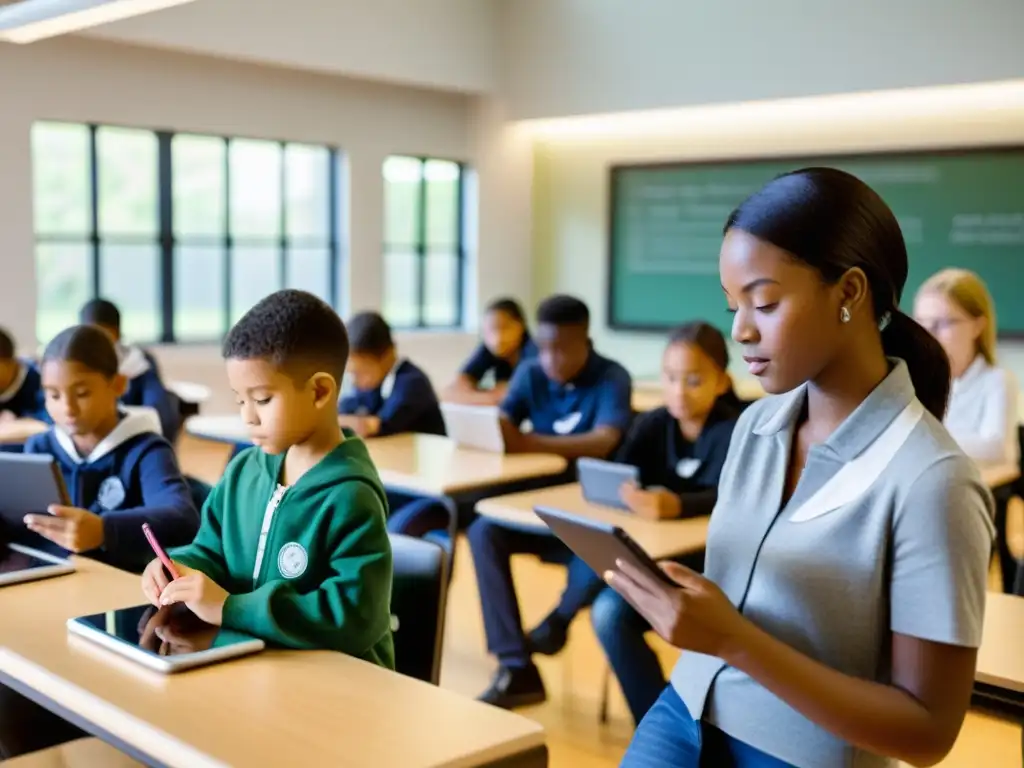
962,209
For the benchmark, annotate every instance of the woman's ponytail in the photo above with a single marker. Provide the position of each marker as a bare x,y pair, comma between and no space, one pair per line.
926,360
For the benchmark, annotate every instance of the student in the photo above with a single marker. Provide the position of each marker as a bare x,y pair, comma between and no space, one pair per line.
391,394
578,404
21,394
145,388
312,570
679,450
955,306
839,615
117,472
506,343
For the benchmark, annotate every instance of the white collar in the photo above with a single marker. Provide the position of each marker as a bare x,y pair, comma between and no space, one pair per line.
19,378
130,425
133,362
977,367
388,385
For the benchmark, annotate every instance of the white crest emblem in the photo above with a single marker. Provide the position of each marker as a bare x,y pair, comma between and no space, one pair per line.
567,424
292,560
687,468
111,494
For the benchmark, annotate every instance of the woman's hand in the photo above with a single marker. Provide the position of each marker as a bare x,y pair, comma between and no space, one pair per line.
653,504
695,615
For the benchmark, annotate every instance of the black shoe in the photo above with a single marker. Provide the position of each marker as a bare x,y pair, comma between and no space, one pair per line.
515,687
548,637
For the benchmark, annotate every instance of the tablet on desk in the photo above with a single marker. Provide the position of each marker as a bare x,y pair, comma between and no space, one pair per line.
473,426
599,544
169,639
29,484
601,480
19,564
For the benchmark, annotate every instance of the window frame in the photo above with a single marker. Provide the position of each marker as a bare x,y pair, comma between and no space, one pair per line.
166,241
421,247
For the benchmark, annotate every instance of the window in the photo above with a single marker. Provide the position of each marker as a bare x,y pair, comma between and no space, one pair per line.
424,244
184,232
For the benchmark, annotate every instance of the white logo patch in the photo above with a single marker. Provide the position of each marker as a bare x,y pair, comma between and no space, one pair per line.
292,560
566,425
111,494
687,468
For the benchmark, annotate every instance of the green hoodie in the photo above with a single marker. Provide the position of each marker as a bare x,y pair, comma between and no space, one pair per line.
323,580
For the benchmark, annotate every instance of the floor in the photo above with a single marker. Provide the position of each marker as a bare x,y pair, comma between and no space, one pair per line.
574,679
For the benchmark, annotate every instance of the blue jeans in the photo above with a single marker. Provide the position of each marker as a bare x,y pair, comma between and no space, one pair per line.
668,737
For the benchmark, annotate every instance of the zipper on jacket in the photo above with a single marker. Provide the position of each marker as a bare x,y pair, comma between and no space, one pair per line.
268,518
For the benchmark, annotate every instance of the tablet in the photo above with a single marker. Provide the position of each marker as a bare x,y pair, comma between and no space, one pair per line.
601,481
19,564
31,482
598,544
169,639
473,426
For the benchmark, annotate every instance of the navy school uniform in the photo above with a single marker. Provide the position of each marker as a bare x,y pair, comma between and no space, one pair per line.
599,396
488,370
24,399
404,402
131,478
145,387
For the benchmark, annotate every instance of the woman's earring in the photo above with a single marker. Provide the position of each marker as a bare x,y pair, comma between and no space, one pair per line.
844,315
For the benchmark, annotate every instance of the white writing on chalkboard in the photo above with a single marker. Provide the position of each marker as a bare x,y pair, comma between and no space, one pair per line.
998,229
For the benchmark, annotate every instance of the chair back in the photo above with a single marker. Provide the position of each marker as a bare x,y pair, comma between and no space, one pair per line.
418,599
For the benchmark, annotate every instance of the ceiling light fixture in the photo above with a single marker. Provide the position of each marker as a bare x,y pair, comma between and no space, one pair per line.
31,20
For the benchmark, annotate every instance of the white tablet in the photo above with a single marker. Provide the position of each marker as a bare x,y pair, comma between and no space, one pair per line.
169,639
474,426
601,481
19,564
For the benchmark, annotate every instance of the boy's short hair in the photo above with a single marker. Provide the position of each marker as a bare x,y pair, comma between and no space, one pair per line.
370,334
101,312
6,345
563,310
296,331
86,345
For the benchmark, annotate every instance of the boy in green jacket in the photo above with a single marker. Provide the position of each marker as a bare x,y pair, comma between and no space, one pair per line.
292,546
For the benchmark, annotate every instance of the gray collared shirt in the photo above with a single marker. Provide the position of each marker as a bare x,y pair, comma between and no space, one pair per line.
909,555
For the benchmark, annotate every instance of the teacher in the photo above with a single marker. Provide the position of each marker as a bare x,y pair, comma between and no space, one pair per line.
838,620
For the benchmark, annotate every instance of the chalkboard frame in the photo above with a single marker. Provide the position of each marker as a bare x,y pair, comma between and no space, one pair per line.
800,160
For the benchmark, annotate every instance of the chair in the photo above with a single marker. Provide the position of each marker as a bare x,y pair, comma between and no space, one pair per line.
419,595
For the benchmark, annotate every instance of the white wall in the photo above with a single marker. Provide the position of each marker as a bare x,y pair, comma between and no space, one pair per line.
565,57
571,176
446,44
86,80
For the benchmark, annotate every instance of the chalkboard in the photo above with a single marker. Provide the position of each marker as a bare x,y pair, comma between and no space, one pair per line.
963,209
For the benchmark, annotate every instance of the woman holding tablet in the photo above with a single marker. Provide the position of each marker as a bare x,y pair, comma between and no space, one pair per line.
506,342
839,615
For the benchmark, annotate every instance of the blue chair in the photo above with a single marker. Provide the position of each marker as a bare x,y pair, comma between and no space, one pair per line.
418,599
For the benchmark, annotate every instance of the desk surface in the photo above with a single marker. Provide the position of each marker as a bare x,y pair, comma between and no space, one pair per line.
997,475
20,430
425,464
275,708
1000,660
664,539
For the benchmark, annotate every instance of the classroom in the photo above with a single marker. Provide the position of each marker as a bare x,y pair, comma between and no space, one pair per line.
648,374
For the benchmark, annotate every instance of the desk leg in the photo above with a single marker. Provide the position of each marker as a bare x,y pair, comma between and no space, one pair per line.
78,720
531,758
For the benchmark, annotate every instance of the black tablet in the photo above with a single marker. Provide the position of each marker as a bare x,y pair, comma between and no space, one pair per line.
599,544
168,639
19,564
29,484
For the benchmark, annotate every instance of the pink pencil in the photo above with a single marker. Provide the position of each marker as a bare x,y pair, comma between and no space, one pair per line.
151,538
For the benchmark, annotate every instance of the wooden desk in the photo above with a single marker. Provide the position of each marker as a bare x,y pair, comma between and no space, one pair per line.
20,430
275,708
663,539
999,475
645,399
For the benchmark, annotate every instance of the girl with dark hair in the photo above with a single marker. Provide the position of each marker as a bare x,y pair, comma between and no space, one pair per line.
839,614
505,343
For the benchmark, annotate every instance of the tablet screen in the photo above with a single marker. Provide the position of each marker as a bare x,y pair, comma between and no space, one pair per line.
168,631
15,561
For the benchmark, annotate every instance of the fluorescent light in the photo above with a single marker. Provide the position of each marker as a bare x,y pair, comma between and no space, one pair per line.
937,101
32,20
